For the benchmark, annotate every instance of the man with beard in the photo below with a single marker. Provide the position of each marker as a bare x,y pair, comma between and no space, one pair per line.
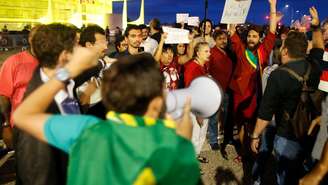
252,59
220,68
149,44
133,37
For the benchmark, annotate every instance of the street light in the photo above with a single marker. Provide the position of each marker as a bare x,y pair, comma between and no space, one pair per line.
287,6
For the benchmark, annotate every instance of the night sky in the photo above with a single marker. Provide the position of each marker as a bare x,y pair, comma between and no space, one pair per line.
166,10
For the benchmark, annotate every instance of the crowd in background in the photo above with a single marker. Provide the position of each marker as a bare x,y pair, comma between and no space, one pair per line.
262,71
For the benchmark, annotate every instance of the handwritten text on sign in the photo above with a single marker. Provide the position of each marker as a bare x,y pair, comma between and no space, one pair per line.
235,11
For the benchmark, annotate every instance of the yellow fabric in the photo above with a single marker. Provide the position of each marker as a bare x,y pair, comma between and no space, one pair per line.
146,177
128,120
149,121
131,121
169,124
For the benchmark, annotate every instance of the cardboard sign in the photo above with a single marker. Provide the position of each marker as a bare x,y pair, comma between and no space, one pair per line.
176,35
235,11
193,21
182,17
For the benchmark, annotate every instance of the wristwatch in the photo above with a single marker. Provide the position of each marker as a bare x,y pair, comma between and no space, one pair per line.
63,75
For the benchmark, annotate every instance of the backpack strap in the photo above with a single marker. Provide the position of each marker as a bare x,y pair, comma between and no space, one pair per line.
297,76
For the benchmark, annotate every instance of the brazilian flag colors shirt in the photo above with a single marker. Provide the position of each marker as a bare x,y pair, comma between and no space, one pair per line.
123,149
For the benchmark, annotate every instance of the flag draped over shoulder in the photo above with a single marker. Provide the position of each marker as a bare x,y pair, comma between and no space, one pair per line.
127,149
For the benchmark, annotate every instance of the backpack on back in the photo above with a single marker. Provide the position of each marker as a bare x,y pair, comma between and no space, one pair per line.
308,106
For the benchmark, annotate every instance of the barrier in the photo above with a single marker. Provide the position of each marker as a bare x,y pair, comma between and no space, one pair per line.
10,41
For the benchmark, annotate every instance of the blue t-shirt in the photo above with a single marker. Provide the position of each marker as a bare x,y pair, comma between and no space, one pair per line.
62,131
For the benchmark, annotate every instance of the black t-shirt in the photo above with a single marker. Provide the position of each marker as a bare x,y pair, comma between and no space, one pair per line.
157,36
283,91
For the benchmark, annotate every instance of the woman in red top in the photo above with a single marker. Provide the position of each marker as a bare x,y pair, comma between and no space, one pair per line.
171,65
194,69
197,67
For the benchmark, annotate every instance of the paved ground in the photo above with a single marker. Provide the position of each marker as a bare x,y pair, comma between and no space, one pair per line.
220,171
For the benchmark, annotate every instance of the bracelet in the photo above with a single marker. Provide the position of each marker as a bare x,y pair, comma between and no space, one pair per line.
254,136
315,27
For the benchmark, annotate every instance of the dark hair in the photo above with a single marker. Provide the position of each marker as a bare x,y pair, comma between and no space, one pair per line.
218,33
129,28
256,28
50,40
118,41
324,22
75,28
130,84
198,46
175,49
156,24
32,33
167,47
143,26
201,25
297,44
88,34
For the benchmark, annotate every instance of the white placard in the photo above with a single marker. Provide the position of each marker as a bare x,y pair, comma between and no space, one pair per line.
235,11
193,21
176,35
325,56
182,17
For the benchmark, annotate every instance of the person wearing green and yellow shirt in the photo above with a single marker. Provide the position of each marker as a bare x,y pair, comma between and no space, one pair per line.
133,145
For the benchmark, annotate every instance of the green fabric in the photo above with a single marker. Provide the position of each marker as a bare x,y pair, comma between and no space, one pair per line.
113,152
251,58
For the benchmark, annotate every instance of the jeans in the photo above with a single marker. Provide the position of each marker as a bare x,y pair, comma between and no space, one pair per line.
288,154
213,121
265,151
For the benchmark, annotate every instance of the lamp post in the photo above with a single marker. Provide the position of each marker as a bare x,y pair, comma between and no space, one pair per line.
205,17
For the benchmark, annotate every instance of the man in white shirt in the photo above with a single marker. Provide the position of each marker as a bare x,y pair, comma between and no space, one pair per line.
149,44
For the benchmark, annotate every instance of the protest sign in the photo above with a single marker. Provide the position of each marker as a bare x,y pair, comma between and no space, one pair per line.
235,11
182,17
193,21
176,35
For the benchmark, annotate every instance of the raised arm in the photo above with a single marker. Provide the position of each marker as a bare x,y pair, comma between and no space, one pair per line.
236,42
317,38
273,16
30,116
190,50
159,49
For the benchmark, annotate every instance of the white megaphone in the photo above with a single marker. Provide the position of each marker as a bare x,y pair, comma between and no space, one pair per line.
206,97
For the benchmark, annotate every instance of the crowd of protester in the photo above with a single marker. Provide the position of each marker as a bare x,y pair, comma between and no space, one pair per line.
76,114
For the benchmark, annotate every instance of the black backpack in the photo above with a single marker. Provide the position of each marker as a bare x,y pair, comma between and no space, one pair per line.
308,106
